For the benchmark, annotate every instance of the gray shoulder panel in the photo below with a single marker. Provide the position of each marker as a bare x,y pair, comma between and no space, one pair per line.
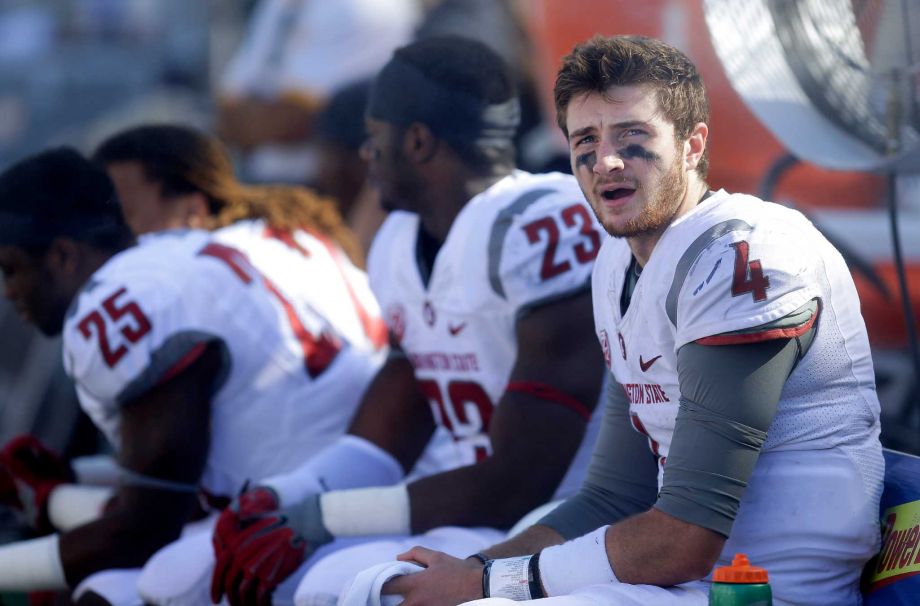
693,251
168,355
500,230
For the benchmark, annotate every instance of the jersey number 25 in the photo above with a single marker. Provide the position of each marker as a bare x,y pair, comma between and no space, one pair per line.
132,331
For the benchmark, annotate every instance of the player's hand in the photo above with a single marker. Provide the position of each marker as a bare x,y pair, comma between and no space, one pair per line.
257,547
34,470
446,580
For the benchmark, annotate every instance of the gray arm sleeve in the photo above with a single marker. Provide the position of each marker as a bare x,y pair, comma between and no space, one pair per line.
729,396
622,479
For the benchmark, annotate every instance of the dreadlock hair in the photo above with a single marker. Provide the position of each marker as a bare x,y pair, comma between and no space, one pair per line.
183,160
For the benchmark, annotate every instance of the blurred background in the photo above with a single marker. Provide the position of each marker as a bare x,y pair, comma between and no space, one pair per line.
282,82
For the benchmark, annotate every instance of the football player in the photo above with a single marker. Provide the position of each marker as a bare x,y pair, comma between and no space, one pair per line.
743,417
482,273
202,371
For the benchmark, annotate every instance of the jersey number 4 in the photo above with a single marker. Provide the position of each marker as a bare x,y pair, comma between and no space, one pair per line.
132,331
748,276
585,252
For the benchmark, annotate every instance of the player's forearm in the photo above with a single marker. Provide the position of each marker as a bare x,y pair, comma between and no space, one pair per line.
493,493
531,540
140,522
470,496
682,552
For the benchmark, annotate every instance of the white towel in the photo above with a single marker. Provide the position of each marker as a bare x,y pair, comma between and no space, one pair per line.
364,589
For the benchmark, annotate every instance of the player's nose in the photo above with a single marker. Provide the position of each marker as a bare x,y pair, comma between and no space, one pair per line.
608,158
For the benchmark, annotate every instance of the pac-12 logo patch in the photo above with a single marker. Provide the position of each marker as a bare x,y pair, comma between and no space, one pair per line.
622,344
605,345
396,318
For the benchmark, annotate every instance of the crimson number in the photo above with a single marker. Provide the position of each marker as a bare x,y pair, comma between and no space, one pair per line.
318,352
465,415
748,274
374,326
585,252
132,332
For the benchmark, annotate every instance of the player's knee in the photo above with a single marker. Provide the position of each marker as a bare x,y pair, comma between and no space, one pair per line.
179,574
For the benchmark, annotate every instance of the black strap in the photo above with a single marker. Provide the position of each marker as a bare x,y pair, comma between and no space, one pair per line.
533,578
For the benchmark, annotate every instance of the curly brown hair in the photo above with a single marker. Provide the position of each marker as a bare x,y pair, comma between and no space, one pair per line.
184,160
599,63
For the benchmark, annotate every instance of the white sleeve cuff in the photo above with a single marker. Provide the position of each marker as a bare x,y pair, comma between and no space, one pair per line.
366,511
97,470
33,565
72,505
349,462
576,564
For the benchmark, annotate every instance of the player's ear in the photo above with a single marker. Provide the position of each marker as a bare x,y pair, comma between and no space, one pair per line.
695,145
419,143
63,256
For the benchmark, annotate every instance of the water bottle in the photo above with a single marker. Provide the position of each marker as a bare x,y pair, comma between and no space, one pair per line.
740,585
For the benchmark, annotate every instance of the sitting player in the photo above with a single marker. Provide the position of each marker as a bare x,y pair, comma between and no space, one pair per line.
482,272
203,372
744,416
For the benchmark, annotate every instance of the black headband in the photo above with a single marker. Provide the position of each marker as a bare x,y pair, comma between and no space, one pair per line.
36,231
402,94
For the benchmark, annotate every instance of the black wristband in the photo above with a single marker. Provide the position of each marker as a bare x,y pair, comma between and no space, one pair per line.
534,580
479,556
486,569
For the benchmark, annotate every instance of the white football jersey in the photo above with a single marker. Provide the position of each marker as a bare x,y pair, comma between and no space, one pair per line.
735,263
292,377
317,274
526,240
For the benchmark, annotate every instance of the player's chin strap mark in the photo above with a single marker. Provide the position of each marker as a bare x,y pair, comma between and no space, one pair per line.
545,391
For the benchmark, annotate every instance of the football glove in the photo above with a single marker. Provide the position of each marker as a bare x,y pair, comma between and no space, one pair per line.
35,471
258,546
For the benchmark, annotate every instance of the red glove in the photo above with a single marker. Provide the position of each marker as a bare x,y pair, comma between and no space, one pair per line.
255,549
35,471
8,494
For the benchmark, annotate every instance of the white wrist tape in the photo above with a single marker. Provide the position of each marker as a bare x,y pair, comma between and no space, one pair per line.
97,470
72,505
576,564
510,578
366,511
33,565
348,462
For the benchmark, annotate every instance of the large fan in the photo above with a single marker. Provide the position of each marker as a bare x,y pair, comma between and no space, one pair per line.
836,81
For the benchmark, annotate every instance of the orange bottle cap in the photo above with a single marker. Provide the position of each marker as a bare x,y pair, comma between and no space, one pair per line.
740,571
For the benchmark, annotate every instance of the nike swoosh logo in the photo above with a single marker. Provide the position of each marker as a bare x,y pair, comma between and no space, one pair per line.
454,330
646,365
